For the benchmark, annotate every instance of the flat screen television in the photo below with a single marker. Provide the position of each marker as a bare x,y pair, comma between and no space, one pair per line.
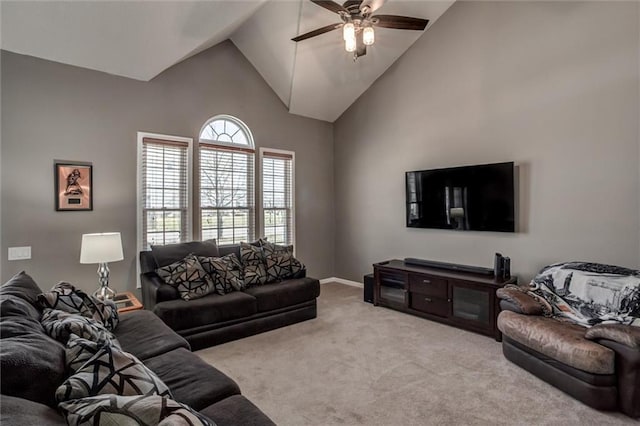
469,198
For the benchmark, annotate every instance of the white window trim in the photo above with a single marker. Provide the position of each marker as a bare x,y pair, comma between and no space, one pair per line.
235,120
260,185
139,206
213,143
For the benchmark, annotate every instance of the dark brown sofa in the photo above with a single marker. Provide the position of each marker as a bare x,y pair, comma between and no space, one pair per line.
214,318
599,366
32,365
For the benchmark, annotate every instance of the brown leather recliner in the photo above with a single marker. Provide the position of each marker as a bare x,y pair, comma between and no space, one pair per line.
599,366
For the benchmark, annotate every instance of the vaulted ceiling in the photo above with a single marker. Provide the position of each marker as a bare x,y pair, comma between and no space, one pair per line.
139,39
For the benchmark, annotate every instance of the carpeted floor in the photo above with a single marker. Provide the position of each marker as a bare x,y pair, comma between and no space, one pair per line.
360,365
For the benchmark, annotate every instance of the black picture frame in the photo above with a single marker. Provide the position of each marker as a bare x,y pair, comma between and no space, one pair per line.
73,187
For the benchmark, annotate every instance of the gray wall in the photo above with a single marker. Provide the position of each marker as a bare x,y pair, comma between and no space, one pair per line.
552,86
53,111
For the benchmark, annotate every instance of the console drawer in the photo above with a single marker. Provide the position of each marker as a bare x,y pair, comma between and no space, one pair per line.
429,305
430,286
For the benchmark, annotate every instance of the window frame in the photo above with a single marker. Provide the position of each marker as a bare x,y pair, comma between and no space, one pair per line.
139,188
260,209
227,146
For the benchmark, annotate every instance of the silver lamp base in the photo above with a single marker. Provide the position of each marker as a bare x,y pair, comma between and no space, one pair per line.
104,292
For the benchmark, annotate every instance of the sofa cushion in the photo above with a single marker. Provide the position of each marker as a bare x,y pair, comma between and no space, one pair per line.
226,272
627,335
145,335
167,254
22,292
191,380
236,410
31,363
182,315
285,293
131,410
278,266
253,264
65,297
188,277
562,341
273,251
108,370
20,412
60,325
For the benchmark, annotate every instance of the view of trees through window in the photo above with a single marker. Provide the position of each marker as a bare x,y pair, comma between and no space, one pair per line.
226,185
165,204
277,197
226,195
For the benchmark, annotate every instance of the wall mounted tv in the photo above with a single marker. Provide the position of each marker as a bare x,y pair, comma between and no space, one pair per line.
469,198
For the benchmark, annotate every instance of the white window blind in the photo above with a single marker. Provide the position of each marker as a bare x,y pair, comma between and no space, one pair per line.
164,192
227,205
277,196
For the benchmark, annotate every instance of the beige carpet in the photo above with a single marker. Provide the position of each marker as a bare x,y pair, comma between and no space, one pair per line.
357,364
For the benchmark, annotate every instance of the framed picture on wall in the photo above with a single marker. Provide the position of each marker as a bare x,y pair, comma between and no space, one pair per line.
73,185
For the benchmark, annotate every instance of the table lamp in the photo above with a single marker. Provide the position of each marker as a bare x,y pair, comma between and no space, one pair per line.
102,248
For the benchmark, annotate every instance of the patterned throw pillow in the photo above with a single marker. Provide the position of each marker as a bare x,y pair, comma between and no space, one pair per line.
278,266
188,277
108,370
226,272
65,297
131,410
253,264
61,325
276,256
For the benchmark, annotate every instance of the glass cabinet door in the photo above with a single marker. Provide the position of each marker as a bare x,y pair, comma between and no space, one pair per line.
393,288
471,304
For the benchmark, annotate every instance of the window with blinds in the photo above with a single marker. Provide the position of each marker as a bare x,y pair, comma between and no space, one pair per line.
164,191
277,196
227,193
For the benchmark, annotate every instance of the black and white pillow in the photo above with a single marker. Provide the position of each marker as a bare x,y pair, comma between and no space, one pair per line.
280,258
278,266
253,265
144,410
65,297
61,325
108,370
188,277
225,271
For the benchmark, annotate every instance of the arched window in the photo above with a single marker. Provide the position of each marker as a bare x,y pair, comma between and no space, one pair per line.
227,198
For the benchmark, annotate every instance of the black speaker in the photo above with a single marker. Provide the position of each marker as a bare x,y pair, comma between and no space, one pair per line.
368,288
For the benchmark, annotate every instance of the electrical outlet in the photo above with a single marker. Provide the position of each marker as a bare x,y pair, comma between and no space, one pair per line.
20,253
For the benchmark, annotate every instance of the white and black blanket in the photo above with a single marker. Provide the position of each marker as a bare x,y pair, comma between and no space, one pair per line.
591,293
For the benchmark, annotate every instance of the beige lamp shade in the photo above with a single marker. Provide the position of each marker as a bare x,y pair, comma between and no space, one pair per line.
101,248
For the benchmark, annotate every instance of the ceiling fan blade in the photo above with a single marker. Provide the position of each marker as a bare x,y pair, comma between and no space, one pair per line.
370,6
399,22
317,32
330,5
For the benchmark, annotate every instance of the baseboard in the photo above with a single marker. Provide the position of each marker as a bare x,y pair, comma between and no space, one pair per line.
341,281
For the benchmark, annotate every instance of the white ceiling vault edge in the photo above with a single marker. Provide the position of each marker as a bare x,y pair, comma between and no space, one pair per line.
139,39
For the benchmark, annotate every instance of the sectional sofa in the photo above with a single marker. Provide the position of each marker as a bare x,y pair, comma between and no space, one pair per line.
32,365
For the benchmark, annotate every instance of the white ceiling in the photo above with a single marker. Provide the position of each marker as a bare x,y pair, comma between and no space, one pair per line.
140,39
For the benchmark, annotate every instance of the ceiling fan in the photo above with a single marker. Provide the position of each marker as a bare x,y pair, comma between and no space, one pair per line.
357,23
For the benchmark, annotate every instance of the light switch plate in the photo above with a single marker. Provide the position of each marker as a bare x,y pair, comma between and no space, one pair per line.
20,253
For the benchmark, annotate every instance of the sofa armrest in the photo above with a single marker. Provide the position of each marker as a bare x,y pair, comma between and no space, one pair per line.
155,290
626,335
628,375
516,299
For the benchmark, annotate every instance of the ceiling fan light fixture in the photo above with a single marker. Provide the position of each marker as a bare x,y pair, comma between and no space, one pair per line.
348,31
368,36
350,44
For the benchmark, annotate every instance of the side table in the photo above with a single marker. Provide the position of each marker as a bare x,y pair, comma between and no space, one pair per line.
127,301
